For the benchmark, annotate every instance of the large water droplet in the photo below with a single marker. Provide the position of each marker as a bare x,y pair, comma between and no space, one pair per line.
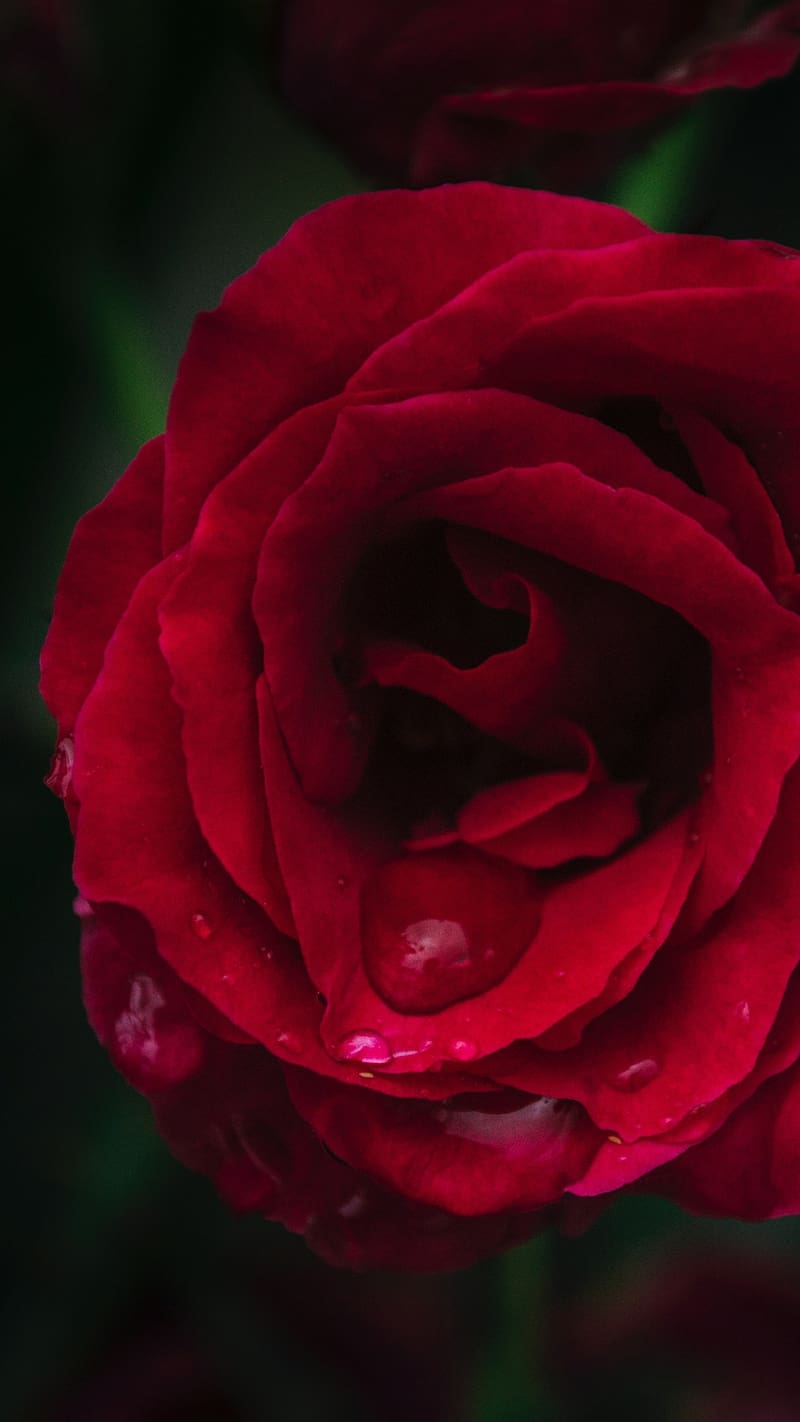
60,777
201,925
135,1027
463,1050
154,1046
637,1075
446,924
509,1122
365,1046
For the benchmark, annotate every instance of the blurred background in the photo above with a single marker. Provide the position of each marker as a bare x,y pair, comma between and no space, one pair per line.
147,160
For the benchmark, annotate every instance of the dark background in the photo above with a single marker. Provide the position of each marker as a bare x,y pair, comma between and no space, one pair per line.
146,161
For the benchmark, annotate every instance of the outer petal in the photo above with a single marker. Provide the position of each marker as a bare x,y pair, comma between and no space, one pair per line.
112,548
236,1123
750,1167
129,772
506,321
471,1155
295,328
699,1018
211,645
217,940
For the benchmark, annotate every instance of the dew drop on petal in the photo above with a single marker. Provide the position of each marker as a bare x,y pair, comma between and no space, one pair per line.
463,1050
424,1045
134,1029
365,1046
637,1075
154,1046
743,1011
442,925
201,925
60,776
289,1042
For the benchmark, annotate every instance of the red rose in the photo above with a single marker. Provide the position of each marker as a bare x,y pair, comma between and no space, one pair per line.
429,705
459,89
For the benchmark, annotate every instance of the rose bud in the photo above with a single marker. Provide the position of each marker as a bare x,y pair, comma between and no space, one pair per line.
429,723
432,90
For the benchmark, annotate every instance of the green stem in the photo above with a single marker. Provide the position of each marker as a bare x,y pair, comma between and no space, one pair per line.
512,1384
658,185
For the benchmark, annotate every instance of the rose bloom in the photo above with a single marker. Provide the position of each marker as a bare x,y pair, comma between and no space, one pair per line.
429,719
441,89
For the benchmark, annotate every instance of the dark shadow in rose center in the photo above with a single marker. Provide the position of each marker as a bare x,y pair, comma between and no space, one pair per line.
632,680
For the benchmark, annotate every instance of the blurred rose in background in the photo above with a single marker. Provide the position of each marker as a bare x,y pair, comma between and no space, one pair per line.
433,90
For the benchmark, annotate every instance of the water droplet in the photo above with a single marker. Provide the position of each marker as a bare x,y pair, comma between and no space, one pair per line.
134,1028
509,1122
154,1046
355,1206
463,1050
637,1076
743,1011
81,908
289,1042
442,925
363,1045
201,925
341,884
559,973
60,776
693,837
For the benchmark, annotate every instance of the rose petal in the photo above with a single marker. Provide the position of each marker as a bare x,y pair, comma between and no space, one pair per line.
589,925
750,1167
292,330
111,549
471,1156
699,1017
